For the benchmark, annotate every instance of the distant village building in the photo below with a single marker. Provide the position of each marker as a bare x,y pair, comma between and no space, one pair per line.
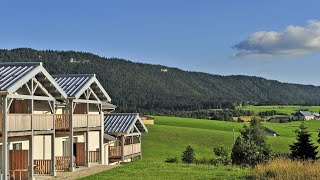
164,70
303,115
279,119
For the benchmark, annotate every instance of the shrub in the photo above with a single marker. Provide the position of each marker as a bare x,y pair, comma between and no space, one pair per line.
172,160
221,151
251,147
213,161
188,156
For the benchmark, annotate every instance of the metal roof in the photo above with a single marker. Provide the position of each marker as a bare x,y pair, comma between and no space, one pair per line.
122,123
75,84
13,75
72,83
306,113
10,73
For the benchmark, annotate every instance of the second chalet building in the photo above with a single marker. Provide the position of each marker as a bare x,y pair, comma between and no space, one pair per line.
59,122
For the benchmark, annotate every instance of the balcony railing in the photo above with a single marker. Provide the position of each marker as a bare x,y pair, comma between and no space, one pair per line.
79,120
22,122
115,151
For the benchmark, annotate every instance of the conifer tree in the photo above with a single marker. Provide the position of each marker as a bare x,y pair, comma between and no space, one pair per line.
304,148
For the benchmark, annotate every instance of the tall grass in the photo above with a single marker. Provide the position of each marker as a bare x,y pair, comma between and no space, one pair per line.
285,168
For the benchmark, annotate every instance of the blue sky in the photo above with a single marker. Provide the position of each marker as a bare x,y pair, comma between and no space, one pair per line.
272,39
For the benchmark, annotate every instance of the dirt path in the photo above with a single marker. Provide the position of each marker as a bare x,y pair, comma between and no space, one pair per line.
83,172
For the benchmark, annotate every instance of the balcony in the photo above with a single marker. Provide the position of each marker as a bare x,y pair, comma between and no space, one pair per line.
79,121
22,122
129,150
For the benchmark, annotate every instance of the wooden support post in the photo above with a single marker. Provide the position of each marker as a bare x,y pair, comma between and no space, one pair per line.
5,161
31,140
71,109
140,148
122,148
101,137
87,149
87,137
132,144
53,160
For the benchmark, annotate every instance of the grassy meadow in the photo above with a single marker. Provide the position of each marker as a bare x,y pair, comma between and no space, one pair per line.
281,109
170,135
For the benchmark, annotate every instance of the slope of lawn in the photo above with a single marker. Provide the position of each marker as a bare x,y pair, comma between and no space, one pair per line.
170,135
281,109
287,135
168,138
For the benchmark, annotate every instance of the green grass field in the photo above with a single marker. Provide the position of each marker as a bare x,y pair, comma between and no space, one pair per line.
281,109
170,135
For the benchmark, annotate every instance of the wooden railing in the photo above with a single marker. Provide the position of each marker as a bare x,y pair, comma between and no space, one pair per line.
19,122
80,120
94,156
62,121
115,151
42,121
132,149
62,162
94,120
42,167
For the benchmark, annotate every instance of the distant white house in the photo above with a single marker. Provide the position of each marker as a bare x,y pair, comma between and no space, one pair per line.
303,115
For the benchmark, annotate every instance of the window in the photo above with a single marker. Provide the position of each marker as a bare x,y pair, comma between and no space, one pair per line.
17,146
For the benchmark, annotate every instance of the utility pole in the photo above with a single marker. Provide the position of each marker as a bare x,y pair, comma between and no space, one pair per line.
234,137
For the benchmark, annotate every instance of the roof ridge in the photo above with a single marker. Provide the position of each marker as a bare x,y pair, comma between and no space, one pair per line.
74,75
21,63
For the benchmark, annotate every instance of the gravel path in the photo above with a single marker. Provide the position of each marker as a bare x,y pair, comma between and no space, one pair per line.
83,172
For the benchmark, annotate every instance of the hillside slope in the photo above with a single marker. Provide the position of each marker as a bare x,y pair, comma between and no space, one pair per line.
137,86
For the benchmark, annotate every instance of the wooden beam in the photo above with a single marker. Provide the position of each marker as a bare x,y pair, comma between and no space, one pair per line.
5,158
39,98
86,101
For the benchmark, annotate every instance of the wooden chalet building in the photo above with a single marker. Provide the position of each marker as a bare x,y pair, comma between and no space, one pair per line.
53,123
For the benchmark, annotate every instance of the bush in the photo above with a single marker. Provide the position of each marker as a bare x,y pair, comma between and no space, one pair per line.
188,155
221,151
251,147
172,160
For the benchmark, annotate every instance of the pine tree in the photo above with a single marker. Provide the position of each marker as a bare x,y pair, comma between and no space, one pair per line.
188,155
303,149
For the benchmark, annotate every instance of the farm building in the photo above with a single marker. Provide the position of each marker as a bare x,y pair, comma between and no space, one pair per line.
279,119
53,123
303,115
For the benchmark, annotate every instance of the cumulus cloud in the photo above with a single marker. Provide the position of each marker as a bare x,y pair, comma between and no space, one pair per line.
292,41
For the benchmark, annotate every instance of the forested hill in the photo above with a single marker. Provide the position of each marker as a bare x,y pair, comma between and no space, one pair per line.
137,86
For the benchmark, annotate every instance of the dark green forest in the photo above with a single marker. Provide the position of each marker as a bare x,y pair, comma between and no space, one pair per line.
139,87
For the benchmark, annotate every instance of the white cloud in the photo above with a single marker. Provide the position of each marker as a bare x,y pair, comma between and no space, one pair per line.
292,41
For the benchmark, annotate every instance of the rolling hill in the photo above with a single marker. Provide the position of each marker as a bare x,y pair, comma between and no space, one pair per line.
142,87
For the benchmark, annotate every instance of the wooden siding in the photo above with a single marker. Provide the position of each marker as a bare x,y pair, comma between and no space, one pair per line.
19,106
42,166
94,156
